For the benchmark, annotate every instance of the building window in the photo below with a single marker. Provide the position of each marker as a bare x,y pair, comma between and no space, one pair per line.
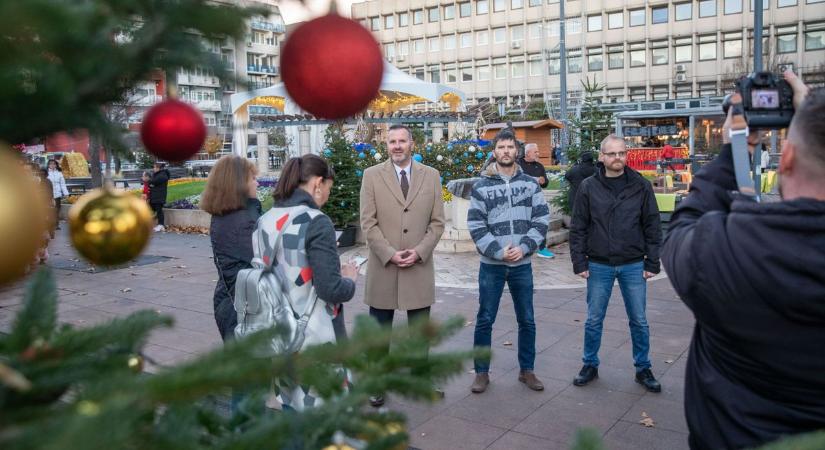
465,9
434,44
553,28
658,92
389,50
706,89
435,75
658,14
403,19
615,20
815,36
500,71
637,54
418,45
499,36
535,65
483,73
765,42
732,45
573,25
733,6
389,22
466,72
707,47
595,60
517,33
375,23
499,5
553,64
786,39
449,12
534,3
432,15
683,11
418,17
403,48
594,23
482,7
615,95
517,69
683,90
574,61
482,38
637,94
516,4
534,30
707,8
450,74
449,42
637,17
615,57
814,1
466,40
658,53
765,4
682,50
784,3
419,73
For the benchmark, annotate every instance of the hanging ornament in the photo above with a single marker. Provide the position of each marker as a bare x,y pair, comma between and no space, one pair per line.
465,154
359,173
418,158
110,227
135,363
332,66
173,130
439,158
362,155
378,157
480,155
471,148
327,153
25,217
377,430
470,168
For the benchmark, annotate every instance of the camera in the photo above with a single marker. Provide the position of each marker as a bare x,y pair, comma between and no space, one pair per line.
767,100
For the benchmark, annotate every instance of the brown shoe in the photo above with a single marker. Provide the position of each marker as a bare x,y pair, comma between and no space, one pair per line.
529,378
480,384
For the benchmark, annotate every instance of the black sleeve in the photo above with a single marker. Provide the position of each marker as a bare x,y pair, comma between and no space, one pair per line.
710,191
543,174
160,178
322,252
579,227
652,229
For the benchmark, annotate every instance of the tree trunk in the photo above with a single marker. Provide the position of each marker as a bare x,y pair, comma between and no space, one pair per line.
94,160
117,163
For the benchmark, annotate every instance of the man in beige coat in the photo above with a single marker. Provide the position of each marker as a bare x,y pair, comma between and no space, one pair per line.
402,216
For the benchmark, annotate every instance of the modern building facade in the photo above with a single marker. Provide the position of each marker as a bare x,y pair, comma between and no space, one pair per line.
507,51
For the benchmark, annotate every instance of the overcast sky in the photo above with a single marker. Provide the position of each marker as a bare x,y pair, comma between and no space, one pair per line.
293,11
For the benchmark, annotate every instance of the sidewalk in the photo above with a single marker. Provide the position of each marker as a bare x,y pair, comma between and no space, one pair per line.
176,276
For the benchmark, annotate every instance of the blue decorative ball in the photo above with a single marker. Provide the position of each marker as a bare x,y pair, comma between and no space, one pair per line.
470,167
372,151
466,154
358,172
362,155
447,174
449,146
490,154
417,157
456,160
441,179
327,153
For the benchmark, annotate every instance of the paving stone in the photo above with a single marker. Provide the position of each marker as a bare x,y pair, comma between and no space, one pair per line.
451,433
634,436
519,441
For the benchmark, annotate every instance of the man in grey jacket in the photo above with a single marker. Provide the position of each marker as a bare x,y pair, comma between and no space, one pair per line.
508,220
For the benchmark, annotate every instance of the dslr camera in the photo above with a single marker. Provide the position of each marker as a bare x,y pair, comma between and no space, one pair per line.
767,100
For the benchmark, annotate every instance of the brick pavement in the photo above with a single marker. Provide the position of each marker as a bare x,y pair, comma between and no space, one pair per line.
507,416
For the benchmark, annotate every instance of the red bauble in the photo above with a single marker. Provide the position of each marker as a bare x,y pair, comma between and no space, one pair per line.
173,130
332,67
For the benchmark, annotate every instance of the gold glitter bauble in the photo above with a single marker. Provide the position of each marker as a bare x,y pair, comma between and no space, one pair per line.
110,227
25,212
380,431
135,363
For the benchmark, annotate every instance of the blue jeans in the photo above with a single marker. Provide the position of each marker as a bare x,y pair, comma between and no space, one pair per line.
634,292
491,279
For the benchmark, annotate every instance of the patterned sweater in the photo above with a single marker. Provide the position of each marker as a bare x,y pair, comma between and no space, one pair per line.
507,211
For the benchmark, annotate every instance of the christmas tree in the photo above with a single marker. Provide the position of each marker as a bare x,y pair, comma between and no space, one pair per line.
585,134
343,204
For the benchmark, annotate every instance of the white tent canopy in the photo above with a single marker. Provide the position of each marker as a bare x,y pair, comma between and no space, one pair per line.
397,90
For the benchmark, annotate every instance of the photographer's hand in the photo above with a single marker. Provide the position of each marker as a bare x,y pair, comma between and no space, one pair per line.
800,90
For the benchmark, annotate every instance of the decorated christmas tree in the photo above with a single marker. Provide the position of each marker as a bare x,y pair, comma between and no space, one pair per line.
343,204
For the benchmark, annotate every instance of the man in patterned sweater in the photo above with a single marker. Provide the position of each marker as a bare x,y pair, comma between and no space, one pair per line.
508,222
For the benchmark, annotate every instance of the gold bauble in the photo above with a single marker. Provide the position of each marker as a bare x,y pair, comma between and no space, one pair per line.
135,363
25,212
383,430
110,227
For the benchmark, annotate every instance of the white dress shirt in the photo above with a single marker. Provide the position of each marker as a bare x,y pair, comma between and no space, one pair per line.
408,171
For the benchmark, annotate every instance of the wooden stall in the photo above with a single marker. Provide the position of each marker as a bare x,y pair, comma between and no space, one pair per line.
538,132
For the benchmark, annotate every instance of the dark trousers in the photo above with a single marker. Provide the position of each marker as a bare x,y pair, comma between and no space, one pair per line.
57,211
158,209
385,317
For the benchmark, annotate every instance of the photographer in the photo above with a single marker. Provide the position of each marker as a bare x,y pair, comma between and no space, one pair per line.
753,274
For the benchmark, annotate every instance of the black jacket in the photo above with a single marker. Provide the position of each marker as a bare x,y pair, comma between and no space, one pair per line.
578,173
322,254
231,236
535,169
754,276
157,186
615,230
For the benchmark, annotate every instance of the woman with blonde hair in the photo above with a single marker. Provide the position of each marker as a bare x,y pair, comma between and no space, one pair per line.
230,197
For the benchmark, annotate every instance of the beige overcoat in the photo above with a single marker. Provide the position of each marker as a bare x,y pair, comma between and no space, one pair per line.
391,223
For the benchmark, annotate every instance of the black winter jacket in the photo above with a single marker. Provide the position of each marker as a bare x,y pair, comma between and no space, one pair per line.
322,254
231,236
157,186
578,173
615,230
754,276
535,169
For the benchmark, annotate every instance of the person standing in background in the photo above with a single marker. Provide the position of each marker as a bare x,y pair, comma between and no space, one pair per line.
58,189
157,192
531,165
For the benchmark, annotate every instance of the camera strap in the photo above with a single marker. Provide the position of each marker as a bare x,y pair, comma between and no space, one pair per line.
739,143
